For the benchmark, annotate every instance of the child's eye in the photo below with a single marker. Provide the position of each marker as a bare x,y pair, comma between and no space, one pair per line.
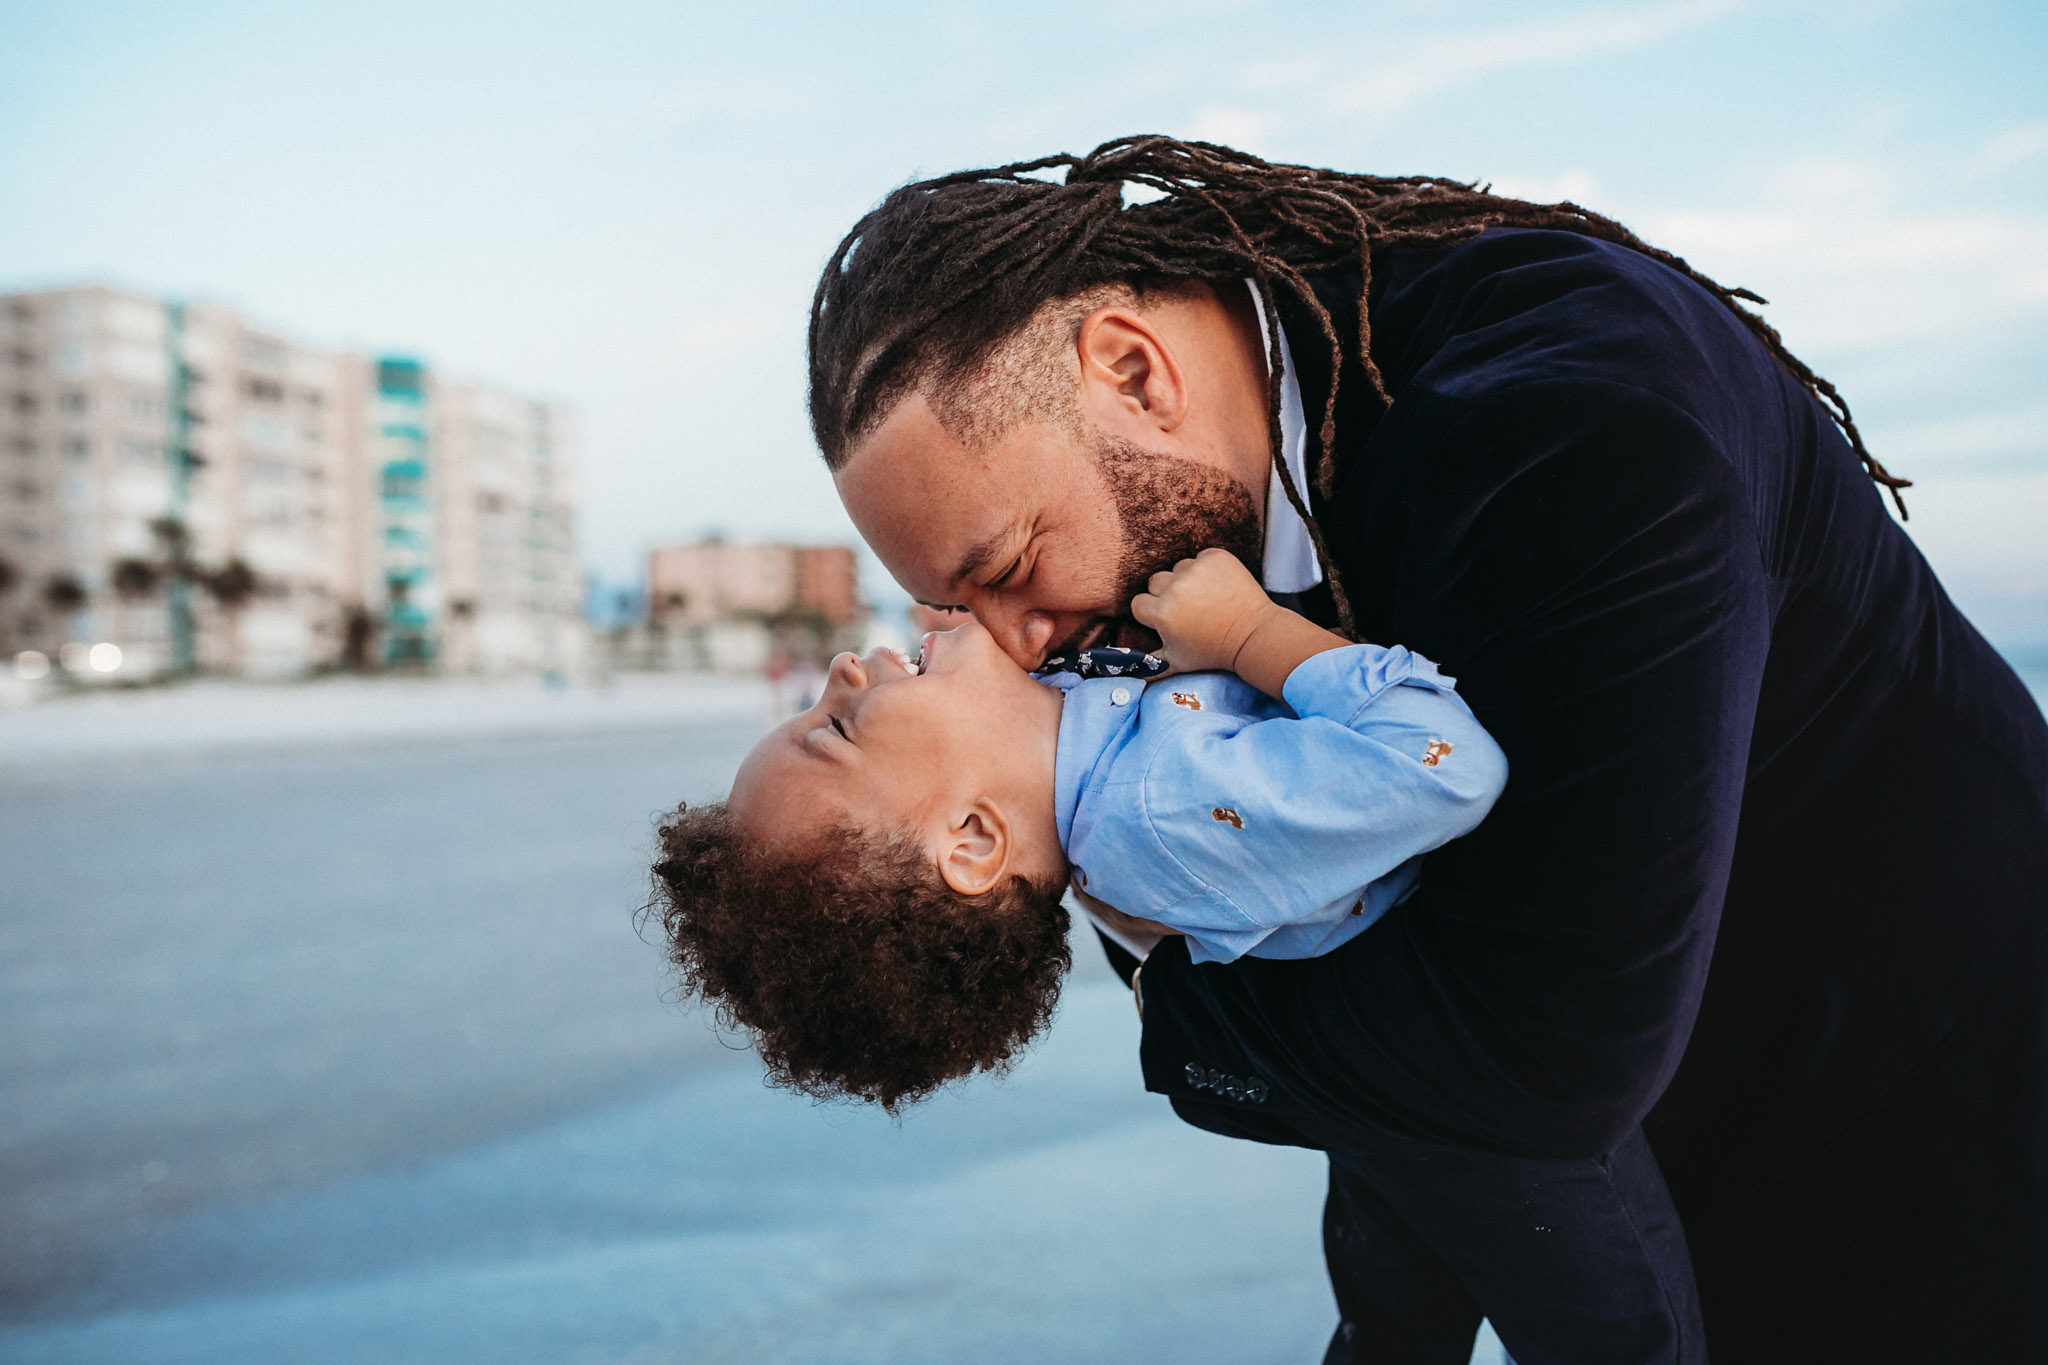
840,728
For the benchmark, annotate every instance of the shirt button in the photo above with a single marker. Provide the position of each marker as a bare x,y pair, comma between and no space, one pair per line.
1120,697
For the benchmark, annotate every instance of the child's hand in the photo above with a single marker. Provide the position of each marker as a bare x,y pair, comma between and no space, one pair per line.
1204,609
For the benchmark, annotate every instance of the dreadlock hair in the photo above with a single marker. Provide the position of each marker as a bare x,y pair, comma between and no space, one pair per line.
928,284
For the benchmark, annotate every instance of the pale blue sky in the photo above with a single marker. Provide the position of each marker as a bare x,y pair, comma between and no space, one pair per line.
624,204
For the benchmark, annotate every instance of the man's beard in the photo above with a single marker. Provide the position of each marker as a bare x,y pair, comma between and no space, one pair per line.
1170,509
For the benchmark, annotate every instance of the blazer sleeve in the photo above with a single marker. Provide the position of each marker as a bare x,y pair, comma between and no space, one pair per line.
1583,558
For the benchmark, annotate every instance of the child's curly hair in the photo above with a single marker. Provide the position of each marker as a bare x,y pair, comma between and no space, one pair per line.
858,971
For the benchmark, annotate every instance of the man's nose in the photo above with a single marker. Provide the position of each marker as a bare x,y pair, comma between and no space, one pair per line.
1023,634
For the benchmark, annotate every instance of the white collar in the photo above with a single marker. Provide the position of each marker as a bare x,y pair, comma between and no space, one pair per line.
1290,563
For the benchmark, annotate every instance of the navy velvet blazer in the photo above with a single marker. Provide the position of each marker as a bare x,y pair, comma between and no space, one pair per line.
1770,875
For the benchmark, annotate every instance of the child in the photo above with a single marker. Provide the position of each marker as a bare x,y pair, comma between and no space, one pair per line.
878,901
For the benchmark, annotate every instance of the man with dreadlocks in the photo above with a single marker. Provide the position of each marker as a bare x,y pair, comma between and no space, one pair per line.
1746,728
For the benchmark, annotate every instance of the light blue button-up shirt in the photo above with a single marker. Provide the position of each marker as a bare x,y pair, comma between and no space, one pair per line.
1262,828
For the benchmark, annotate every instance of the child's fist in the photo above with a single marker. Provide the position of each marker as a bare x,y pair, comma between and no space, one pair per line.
1204,609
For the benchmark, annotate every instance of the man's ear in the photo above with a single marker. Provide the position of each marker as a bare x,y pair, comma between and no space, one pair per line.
974,854
1128,370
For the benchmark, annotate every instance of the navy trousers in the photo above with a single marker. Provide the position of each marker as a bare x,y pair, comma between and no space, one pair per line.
1574,1262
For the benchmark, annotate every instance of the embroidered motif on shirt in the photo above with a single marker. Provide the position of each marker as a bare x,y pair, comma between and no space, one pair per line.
1436,753
1187,699
1227,816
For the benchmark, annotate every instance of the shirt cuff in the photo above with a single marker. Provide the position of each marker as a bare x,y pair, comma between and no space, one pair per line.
1139,946
1340,683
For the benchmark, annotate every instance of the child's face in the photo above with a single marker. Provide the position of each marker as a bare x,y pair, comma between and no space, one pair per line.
959,755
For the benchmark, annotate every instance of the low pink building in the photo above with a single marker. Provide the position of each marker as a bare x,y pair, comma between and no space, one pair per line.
716,580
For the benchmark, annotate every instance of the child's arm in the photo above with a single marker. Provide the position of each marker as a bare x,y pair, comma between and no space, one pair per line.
1212,616
1311,820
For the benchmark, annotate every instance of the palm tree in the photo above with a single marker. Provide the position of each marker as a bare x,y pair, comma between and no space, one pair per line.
176,539
135,579
231,586
64,594
10,577
358,634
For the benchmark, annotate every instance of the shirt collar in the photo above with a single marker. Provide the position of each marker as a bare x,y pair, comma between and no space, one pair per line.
1290,563
1093,725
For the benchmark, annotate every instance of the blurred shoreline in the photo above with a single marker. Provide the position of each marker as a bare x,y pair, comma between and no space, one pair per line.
220,717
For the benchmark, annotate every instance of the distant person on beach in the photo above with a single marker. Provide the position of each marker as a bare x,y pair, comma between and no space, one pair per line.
1762,915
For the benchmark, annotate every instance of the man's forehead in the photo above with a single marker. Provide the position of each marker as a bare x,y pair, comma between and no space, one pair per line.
932,510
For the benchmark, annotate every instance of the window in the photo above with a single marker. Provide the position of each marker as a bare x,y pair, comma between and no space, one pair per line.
264,390
267,352
77,447
73,400
141,452
145,407
265,428
24,403
399,378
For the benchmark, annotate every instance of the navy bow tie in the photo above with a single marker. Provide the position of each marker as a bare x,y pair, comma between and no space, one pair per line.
1105,663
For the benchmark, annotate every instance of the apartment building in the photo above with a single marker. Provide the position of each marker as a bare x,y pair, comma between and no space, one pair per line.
476,566
200,493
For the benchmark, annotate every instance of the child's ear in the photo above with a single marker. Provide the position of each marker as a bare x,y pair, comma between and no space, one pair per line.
976,851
